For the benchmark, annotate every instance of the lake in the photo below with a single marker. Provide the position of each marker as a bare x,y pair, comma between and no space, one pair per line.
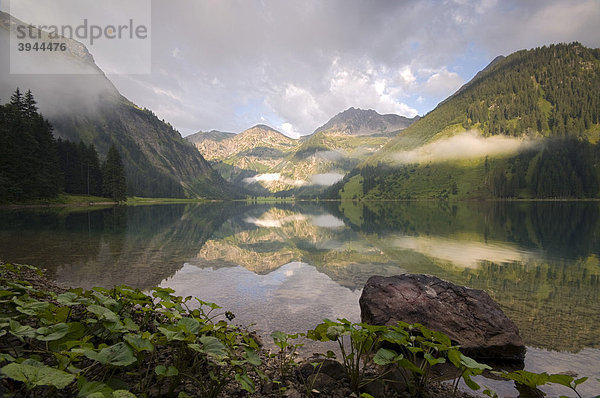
286,266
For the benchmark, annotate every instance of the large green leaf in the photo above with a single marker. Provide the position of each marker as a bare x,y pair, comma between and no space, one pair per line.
433,360
93,388
245,382
470,383
52,333
21,331
103,299
163,371
454,356
71,299
140,342
103,313
72,338
130,324
408,365
383,357
334,332
472,364
171,335
252,357
117,355
189,325
115,327
210,346
396,336
319,333
34,374
123,394
526,378
5,293
31,307
6,357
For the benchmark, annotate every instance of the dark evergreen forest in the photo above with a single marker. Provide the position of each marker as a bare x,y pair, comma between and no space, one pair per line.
33,165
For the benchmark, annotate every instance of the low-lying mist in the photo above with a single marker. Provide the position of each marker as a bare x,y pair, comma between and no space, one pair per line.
323,179
467,145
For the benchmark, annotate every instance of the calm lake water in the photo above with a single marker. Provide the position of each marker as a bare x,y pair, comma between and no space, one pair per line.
287,266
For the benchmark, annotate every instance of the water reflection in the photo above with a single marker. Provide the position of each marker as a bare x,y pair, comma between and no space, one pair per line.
287,299
137,246
464,252
289,265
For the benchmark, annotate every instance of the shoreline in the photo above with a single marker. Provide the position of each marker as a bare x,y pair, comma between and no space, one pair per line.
156,201
299,373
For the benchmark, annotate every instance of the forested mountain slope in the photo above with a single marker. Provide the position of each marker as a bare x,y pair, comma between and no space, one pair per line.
85,106
526,126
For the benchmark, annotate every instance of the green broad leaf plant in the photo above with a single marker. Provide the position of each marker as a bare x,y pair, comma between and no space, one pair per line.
122,342
117,342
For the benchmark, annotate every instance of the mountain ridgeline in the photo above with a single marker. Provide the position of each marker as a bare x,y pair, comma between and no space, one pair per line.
366,122
267,162
527,126
85,106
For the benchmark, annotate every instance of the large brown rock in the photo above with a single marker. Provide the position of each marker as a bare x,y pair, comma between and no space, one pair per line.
468,316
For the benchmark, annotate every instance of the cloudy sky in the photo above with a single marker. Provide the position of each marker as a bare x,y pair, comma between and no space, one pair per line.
227,65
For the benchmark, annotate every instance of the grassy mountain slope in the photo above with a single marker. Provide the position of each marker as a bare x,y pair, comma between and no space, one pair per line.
528,101
86,106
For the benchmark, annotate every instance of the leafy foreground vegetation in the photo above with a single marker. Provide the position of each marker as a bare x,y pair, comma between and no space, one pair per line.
124,343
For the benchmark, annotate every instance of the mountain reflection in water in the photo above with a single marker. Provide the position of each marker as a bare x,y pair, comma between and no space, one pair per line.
287,266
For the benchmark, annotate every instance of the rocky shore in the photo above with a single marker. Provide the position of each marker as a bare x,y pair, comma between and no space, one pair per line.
314,377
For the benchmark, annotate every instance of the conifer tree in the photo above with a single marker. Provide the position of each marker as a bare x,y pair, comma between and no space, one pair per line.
16,100
29,164
113,175
93,172
29,104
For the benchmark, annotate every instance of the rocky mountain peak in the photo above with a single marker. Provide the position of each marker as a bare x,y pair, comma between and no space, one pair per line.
262,131
357,121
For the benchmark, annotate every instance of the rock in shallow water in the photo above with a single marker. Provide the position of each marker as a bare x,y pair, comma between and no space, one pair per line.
468,316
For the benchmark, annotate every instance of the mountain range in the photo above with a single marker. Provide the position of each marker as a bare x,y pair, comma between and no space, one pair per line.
526,126
266,161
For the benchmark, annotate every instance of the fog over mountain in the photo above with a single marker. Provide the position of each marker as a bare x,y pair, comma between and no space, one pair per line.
228,65
83,105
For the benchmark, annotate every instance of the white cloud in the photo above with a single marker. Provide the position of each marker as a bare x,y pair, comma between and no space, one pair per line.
406,75
442,83
271,178
288,129
269,222
327,221
374,90
326,179
470,144
466,254
224,64
330,156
